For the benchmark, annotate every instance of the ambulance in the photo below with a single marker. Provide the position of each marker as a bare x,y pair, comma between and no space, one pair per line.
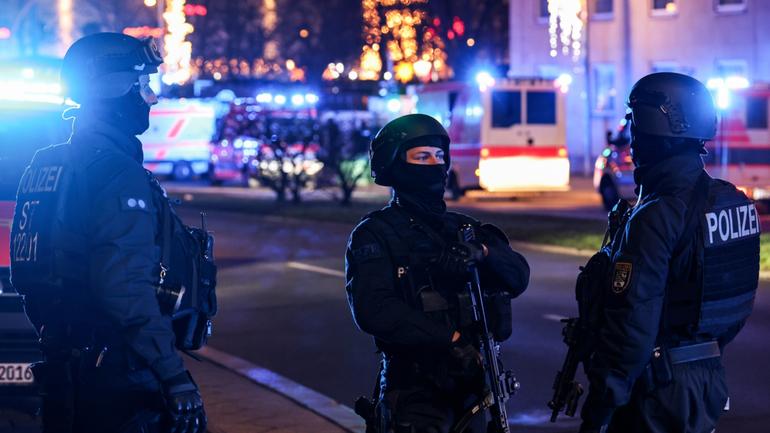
508,136
740,152
177,142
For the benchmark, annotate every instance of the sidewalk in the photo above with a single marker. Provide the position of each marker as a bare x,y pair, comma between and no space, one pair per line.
235,404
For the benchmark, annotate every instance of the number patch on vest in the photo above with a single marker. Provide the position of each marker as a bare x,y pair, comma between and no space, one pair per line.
621,276
366,252
730,224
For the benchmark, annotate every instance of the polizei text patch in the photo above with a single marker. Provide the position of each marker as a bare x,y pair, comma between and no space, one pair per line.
731,224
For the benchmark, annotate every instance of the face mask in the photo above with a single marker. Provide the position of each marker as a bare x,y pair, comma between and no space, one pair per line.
421,185
418,178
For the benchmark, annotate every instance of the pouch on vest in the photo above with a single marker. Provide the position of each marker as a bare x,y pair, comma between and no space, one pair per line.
47,255
187,283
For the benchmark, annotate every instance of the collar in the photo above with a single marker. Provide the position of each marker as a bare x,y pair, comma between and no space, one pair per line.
123,142
671,176
422,211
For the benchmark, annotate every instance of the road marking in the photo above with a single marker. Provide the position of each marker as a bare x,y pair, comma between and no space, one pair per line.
538,417
553,317
316,269
326,407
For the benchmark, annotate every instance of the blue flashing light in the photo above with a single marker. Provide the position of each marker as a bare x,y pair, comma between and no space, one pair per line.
311,98
485,80
279,99
297,99
265,98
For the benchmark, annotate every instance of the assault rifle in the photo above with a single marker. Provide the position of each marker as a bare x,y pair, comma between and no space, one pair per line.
578,332
500,384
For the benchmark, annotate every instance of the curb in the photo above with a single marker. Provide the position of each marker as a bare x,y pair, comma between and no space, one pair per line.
315,402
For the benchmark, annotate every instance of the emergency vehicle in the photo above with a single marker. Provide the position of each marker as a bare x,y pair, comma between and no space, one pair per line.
30,118
507,135
739,154
241,151
177,142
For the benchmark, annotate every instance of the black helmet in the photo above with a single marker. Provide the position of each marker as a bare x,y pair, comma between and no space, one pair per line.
106,65
387,143
667,104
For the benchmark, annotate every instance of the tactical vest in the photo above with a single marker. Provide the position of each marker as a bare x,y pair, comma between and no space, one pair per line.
47,250
186,275
730,238
715,296
412,257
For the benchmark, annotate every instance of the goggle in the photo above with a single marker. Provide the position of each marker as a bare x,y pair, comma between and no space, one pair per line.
660,101
145,59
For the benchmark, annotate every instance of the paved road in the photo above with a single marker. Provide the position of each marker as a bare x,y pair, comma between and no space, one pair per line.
282,306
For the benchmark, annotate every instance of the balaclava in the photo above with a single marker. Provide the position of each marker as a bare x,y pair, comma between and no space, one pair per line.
129,113
420,187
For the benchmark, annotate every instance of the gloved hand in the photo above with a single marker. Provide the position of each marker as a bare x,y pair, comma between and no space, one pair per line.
184,405
457,257
468,358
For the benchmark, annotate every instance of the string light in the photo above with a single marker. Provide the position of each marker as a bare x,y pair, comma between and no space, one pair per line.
177,61
401,30
565,26
66,22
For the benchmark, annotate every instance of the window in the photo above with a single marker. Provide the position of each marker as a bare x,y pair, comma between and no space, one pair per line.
604,89
756,112
664,7
541,108
602,9
543,9
727,6
506,109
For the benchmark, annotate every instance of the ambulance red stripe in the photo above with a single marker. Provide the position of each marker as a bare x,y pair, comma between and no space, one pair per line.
510,151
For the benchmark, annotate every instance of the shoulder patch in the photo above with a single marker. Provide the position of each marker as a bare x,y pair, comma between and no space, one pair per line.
621,276
134,203
366,252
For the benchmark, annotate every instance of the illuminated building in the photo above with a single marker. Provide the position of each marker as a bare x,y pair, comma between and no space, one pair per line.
627,39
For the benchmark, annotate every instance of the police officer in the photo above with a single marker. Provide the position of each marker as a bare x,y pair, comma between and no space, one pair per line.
405,275
683,278
86,257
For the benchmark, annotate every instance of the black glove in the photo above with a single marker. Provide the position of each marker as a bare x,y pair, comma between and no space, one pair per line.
184,405
457,257
467,357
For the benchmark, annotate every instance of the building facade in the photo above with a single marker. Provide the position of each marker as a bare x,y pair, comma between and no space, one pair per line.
623,40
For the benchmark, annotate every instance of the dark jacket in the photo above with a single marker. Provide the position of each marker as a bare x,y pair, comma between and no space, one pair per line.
123,249
378,306
642,262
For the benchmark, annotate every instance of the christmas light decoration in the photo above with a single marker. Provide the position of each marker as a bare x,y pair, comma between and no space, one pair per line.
178,51
401,31
565,26
66,22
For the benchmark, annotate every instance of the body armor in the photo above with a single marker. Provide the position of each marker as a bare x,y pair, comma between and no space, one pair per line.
47,251
715,296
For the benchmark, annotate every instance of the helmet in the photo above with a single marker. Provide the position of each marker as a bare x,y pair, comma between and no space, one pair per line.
667,104
387,143
106,65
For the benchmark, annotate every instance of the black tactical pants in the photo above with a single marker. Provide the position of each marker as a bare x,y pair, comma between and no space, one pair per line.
427,410
78,398
692,403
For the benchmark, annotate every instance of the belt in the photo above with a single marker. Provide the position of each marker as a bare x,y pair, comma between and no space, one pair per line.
694,352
